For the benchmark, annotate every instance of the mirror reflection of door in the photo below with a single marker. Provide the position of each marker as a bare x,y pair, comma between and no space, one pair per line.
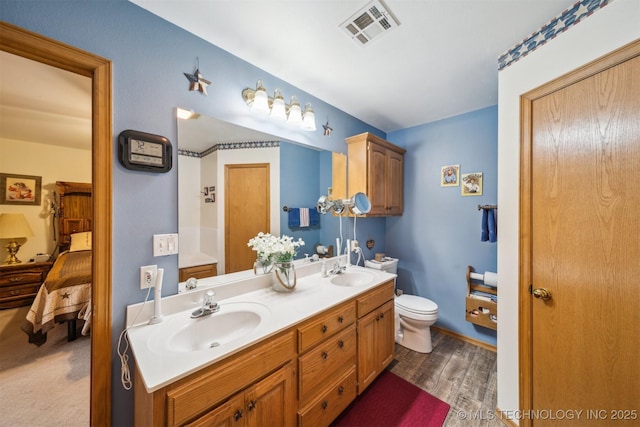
45,131
247,205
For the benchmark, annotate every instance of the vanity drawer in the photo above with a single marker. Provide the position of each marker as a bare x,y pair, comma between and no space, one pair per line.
316,330
197,272
335,354
330,403
375,298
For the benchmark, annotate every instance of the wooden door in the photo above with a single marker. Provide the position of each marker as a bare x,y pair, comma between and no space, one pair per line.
581,206
247,205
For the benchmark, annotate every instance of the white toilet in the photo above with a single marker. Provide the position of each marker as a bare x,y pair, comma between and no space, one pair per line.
414,315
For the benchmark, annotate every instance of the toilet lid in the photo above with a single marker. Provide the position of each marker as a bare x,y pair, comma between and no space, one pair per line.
416,304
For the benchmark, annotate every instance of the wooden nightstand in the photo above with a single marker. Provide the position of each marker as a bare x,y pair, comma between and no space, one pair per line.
19,283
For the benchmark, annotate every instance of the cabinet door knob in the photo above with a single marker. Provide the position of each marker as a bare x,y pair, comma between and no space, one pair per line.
325,355
340,343
237,415
252,405
382,315
324,404
324,328
340,390
340,319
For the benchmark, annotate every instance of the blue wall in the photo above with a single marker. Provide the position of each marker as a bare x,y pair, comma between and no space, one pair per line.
149,58
436,238
438,235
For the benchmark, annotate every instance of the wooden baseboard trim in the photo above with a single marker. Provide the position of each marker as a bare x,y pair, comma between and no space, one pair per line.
465,338
505,419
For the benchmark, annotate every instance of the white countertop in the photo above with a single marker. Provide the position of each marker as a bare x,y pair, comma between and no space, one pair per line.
312,295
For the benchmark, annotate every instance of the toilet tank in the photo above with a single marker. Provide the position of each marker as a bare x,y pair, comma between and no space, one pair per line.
390,265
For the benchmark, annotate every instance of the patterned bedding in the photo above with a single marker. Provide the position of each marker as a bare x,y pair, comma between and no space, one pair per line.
65,295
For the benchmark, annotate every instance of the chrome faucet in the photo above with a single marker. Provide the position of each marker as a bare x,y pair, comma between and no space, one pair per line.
337,269
209,306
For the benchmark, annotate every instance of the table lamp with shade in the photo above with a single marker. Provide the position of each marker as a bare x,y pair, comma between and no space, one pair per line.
14,226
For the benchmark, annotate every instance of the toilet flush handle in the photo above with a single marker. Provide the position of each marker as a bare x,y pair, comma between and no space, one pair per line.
542,293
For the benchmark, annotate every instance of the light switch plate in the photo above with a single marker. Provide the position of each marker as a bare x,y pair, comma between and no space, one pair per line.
165,244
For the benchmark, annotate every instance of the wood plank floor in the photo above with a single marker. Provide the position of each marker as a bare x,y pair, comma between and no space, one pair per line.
456,372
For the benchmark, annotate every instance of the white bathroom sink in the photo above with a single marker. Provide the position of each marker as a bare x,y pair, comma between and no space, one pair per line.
183,334
353,278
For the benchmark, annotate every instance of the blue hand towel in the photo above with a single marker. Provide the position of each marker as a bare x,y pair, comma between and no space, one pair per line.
294,217
485,226
314,216
493,225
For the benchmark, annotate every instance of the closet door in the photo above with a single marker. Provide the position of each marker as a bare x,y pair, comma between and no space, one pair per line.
585,248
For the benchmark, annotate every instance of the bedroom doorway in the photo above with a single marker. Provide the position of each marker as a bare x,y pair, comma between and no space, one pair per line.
38,48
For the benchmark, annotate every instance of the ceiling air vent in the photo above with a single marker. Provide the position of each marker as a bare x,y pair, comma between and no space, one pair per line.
370,22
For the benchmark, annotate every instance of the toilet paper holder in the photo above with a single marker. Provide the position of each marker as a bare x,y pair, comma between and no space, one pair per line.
481,301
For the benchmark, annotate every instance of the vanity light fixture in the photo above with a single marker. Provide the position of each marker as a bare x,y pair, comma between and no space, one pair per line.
258,100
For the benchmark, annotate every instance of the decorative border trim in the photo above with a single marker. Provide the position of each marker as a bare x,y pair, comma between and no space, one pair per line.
230,146
557,25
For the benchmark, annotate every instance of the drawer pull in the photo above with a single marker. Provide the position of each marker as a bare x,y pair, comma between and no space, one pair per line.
238,414
382,315
340,390
16,279
14,292
325,355
340,319
324,404
340,343
324,328
252,405
377,317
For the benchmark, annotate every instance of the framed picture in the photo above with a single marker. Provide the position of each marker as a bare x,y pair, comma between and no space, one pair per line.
20,189
450,176
472,184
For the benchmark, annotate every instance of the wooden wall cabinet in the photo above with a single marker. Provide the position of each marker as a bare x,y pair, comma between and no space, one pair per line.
375,167
375,334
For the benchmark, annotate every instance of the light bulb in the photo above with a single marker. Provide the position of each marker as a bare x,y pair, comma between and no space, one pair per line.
308,118
295,112
260,99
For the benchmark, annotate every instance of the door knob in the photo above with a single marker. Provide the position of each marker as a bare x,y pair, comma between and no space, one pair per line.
542,293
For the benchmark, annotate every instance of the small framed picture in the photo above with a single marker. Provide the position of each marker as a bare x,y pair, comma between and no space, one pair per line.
449,176
472,184
20,189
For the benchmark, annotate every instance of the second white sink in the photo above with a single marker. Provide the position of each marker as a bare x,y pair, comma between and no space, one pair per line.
353,278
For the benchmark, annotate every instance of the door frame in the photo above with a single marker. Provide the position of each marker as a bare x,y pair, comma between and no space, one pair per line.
525,321
42,49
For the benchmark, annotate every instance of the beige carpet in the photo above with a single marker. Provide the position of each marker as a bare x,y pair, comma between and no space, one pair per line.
42,386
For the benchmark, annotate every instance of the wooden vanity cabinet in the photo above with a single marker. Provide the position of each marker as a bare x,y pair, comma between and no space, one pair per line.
268,402
197,272
375,333
375,167
261,374
326,365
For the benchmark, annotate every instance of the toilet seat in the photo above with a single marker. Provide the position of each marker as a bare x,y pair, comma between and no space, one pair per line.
416,304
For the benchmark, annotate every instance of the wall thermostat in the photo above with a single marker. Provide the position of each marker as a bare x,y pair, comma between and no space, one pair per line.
144,151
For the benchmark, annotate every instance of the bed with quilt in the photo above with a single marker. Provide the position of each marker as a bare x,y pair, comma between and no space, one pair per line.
65,295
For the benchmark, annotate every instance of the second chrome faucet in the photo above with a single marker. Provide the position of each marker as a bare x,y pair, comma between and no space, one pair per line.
209,306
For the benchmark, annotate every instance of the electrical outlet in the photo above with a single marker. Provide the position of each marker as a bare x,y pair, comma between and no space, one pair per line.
148,274
354,245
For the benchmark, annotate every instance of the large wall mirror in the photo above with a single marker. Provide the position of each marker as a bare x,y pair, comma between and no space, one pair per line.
234,182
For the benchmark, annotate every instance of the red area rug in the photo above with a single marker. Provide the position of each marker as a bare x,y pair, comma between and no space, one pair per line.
393,402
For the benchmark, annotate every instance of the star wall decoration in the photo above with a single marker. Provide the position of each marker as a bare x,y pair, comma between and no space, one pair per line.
327,129
196,81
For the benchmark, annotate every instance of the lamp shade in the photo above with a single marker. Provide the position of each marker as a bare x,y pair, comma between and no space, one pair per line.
14,225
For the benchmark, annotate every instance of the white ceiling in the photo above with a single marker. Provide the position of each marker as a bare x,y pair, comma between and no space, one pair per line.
441,61
43,104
